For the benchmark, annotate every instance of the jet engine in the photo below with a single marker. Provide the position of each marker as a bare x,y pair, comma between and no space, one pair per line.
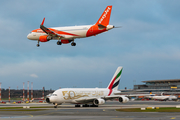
123,99
98,101
48,100
44,38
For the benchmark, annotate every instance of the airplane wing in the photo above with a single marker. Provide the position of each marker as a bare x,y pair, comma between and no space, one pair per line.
90,99
48,31
129,96
85,99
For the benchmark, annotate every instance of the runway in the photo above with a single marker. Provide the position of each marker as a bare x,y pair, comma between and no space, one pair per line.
103,112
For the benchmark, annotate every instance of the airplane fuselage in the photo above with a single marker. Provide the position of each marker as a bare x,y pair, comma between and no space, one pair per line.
163,97
74,95
70,32
66,35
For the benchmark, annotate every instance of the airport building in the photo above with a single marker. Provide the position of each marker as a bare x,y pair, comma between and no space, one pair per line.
167,87
171,86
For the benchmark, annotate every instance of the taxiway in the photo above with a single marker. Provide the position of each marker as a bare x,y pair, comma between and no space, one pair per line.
103,112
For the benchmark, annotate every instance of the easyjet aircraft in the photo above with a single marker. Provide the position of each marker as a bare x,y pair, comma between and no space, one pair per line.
93,96
69,34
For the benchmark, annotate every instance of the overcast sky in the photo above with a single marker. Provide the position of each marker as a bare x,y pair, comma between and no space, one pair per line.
147,45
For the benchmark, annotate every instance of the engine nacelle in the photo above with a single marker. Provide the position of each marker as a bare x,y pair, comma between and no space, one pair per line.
98,101
44,38
123,99
48,100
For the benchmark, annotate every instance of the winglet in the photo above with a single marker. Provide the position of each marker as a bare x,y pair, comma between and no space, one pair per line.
43,22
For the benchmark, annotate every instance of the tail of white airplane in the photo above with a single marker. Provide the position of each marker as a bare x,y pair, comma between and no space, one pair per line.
113,85
105,17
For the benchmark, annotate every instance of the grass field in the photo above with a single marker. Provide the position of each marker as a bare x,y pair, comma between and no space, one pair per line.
169,109
21,109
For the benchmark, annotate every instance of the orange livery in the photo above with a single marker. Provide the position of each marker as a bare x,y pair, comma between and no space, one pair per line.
66,35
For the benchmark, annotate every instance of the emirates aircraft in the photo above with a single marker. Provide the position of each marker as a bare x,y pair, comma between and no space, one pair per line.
90,96
66,35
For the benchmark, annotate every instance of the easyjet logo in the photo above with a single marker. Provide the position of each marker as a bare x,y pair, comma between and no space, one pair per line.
104,15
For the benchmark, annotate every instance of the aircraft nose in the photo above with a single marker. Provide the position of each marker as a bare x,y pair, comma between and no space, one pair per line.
29,36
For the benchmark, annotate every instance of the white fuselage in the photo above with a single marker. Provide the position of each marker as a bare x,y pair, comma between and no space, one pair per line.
70,32
163,97
70,95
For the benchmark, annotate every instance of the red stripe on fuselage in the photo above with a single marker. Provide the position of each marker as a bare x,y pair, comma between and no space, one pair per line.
56,31
110,91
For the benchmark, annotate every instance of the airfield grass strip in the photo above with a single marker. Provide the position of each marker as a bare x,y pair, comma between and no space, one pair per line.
165,109
26,108
23,109
10,108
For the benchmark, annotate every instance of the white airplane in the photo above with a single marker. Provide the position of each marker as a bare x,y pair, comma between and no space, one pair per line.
68,34
163,98
93,96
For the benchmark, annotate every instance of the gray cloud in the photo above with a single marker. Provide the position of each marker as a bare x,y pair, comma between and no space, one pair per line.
147,45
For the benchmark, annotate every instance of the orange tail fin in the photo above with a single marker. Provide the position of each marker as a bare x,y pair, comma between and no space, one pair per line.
104,19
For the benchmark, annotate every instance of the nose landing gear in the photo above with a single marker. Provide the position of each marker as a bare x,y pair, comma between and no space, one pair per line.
38,44
55,105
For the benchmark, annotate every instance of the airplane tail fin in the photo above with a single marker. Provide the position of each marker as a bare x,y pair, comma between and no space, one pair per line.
113,85
104,19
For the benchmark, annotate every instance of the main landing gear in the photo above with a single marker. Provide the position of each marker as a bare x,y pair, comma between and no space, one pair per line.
86,105
59,43
73,44
77,105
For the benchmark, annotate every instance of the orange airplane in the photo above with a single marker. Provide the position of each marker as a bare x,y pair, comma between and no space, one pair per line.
69,34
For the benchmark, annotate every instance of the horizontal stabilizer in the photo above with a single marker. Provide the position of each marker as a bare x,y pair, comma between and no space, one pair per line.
101,26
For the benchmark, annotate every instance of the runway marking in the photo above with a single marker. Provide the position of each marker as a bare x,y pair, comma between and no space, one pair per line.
173,118
30,115
46,114
123,118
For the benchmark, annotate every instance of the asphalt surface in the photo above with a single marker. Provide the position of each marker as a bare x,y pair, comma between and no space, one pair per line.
103,112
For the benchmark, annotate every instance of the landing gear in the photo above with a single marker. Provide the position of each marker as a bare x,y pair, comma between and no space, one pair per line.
93,105
59,43
55,105
73,44
86,105
38,44
77,105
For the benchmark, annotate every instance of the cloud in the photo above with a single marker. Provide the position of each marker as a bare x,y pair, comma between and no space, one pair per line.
34,75
148,42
